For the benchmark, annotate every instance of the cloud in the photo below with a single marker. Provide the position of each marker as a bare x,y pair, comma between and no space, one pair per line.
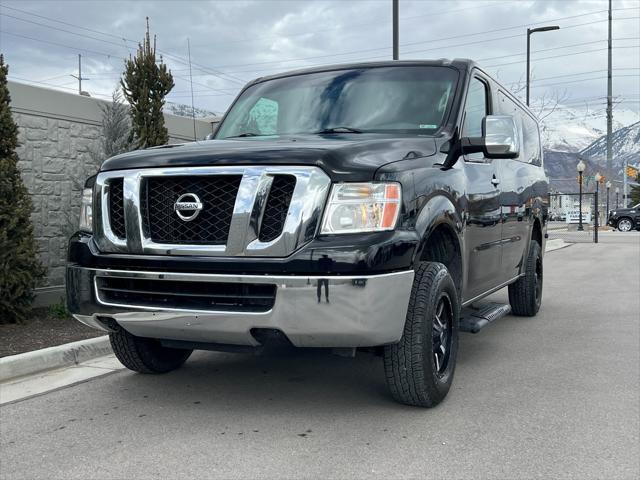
235,41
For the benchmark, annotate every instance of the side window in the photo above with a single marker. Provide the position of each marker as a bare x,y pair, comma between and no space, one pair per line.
263,117
530,149
475,109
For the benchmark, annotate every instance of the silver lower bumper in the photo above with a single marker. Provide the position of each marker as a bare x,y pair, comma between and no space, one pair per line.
360,311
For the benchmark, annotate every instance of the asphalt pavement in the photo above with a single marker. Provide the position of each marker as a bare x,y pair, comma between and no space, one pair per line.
552,396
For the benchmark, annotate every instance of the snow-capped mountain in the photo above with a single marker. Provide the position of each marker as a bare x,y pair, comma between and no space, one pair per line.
571,134
625,145
573,129
183,110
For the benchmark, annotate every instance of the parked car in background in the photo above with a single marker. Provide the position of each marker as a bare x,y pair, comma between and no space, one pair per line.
625,219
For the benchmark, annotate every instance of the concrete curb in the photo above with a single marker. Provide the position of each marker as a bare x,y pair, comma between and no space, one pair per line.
556,244
53,357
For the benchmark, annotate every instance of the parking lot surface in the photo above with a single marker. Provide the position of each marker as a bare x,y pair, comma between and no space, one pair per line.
552,396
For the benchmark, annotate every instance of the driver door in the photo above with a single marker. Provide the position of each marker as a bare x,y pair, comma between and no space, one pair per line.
484,225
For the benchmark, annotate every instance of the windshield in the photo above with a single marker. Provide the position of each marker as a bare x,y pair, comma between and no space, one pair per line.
398,99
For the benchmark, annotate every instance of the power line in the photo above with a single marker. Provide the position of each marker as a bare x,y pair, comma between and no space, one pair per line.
560,56
405,53
60,29
571,75
579,81
558,47
167,54
439,39
352,26
72,47
13,77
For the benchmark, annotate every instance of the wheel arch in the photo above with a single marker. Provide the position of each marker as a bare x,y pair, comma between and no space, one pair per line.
439,225
536,231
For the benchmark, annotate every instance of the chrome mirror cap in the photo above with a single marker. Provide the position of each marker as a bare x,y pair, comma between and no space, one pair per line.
501,136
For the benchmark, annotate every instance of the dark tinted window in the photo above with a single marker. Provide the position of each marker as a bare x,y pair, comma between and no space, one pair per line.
530,151
410,99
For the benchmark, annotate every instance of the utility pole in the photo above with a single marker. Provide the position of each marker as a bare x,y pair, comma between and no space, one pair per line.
395,29
79,77
609,101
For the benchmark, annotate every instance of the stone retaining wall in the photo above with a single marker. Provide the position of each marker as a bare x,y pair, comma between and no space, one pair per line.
58,132
55,160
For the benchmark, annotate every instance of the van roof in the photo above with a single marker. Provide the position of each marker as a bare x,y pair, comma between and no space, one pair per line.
458,63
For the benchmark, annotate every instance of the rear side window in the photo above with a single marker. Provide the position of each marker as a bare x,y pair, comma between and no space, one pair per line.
530,134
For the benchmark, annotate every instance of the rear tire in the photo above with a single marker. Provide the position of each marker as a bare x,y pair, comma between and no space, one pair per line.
420,367
146,355
525,295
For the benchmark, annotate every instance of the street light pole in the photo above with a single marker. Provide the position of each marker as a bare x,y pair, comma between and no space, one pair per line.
617,193
396,34
598,179
580,167
529,32
608,188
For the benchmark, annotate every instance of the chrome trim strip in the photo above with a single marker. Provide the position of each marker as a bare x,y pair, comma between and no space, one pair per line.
230,278
492,290
305,210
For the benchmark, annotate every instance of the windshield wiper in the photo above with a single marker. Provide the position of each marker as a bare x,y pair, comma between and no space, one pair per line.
339,130
245,134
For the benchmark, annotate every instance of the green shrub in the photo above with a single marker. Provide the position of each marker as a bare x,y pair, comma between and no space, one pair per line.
59,310
20,267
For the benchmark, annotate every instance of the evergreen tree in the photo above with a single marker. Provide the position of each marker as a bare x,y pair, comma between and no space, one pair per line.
145,84
20,267
116,127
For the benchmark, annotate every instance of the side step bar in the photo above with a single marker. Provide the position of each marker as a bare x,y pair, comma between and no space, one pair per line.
475,317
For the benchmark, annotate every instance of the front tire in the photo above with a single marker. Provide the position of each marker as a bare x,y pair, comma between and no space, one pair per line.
419,369
625,224
146,355
525,295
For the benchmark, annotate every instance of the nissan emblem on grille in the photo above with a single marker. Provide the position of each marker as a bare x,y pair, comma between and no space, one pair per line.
188,206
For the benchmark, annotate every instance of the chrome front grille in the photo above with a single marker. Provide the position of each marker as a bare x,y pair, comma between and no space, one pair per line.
116,208
277,207
245,211
210,227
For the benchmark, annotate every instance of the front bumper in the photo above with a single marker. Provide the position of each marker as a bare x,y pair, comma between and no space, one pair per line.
362,310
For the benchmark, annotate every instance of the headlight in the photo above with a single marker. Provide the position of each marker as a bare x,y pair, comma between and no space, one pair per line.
86,210
362,207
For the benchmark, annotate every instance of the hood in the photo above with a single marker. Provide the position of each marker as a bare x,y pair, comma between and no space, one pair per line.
354,157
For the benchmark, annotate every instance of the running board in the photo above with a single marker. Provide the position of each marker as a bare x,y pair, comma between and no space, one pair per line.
475,317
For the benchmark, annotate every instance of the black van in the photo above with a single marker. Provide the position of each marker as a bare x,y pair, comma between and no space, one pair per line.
364,206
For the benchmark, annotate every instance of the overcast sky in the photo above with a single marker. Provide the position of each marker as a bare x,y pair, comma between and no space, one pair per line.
235,41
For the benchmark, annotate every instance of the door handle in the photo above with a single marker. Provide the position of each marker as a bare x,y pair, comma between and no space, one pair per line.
495,181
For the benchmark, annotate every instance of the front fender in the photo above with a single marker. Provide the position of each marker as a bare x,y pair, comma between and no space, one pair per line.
439,209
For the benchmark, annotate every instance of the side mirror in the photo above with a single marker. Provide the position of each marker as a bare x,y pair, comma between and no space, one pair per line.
500,138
